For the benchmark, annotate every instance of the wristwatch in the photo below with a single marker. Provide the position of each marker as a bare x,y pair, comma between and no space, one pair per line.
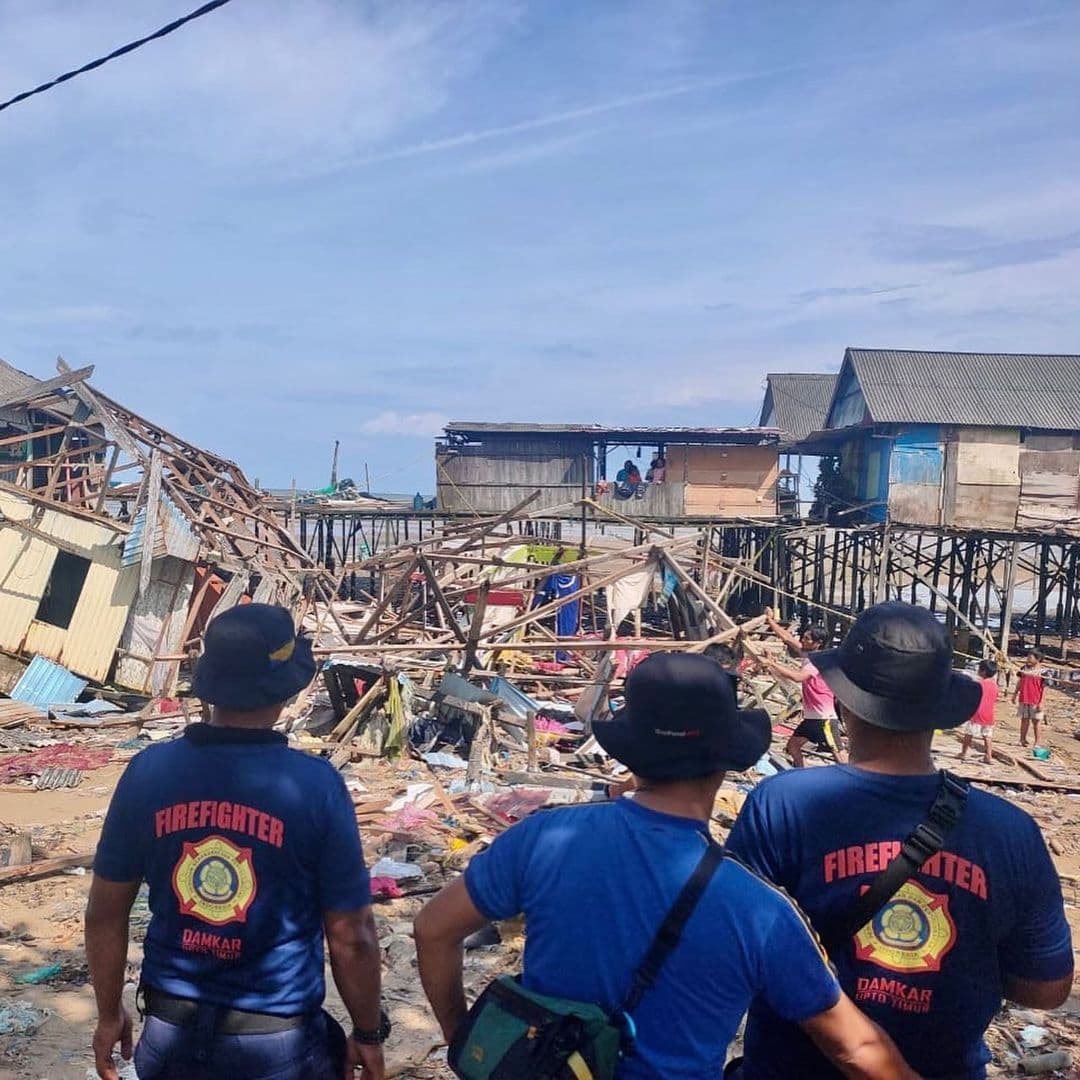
376,1037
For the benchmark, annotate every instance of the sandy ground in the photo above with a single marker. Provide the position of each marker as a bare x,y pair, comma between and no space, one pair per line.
41,921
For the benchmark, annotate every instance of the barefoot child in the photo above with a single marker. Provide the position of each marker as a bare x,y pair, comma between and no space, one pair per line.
1030,685
981,725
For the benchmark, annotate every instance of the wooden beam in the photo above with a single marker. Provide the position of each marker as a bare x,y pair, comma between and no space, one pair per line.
46,387
440,597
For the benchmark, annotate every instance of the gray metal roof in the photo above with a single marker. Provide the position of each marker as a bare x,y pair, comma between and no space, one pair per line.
982,389
14,381
597,432
799,401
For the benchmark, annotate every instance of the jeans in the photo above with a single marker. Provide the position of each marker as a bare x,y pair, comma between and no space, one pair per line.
170,1052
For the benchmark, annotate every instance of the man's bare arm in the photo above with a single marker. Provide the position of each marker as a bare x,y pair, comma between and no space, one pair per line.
447,920
785,635
782,671
1038,995
107,915
856,1045
356,963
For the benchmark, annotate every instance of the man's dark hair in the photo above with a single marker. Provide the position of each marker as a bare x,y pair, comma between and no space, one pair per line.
1037,653
987,669
818,634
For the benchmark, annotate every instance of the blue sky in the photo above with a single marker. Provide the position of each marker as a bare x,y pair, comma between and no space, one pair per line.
294,222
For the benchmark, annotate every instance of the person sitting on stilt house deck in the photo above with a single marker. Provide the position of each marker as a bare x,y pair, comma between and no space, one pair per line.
819,720
252,854
628,481
596,881
970,909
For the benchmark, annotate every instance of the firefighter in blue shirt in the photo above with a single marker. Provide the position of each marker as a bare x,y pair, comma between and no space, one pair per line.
252,855
981,919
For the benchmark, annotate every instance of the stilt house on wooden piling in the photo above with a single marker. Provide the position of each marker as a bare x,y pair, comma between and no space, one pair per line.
709,473
987,441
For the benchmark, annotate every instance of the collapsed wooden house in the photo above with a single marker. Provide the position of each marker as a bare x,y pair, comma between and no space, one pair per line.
117,538
710,473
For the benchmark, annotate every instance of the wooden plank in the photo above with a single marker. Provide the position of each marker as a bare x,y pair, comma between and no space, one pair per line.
150,524
915,504
46,387
985,506
440,597
44,866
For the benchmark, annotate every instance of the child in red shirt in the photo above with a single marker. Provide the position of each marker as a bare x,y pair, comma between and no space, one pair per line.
1030,684
981,725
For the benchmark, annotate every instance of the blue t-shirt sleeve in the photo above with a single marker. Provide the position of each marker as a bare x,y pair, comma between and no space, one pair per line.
750,840
1040,946
124,845
344,884
495,878
795,976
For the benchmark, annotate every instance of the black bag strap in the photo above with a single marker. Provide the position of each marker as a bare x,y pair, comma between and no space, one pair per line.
667,937
925,841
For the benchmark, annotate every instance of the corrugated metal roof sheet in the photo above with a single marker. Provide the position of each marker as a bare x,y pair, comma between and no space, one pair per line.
799,401
174,535
44,683
14,381
969,389
598,431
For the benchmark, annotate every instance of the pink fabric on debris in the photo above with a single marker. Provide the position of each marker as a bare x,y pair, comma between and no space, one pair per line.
519,803
408,819
544,724
385,888
626,660
64,756
548,667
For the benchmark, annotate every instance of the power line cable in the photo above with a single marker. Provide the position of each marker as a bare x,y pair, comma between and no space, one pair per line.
131,46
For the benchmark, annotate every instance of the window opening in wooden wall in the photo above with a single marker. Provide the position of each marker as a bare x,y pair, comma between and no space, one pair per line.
63,590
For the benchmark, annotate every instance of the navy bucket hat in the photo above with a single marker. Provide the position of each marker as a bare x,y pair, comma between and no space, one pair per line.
253,658
894,670
682,720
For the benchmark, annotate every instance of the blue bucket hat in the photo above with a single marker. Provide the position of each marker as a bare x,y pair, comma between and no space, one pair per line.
253,658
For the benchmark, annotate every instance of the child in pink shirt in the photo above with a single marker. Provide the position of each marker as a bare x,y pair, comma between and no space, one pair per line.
981,725
1030,684
819,706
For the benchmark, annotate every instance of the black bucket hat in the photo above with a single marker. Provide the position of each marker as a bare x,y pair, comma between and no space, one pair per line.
894,670
682,720
253,658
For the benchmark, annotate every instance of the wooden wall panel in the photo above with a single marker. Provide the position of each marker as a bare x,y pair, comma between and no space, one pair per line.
986,506
915,504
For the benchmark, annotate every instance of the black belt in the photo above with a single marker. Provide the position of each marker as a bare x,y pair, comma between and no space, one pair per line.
182,1012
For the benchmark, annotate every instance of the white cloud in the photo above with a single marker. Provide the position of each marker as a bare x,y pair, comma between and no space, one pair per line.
414,425
296,87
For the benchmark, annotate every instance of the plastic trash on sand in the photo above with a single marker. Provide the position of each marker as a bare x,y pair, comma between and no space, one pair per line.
1034,1036
38,975
399,871
764,767
20,1017
445,761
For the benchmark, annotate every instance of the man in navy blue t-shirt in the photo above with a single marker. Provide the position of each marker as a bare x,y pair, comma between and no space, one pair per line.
981,920
251,854
596,881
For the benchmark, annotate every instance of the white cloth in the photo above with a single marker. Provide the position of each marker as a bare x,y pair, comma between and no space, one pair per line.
628,594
